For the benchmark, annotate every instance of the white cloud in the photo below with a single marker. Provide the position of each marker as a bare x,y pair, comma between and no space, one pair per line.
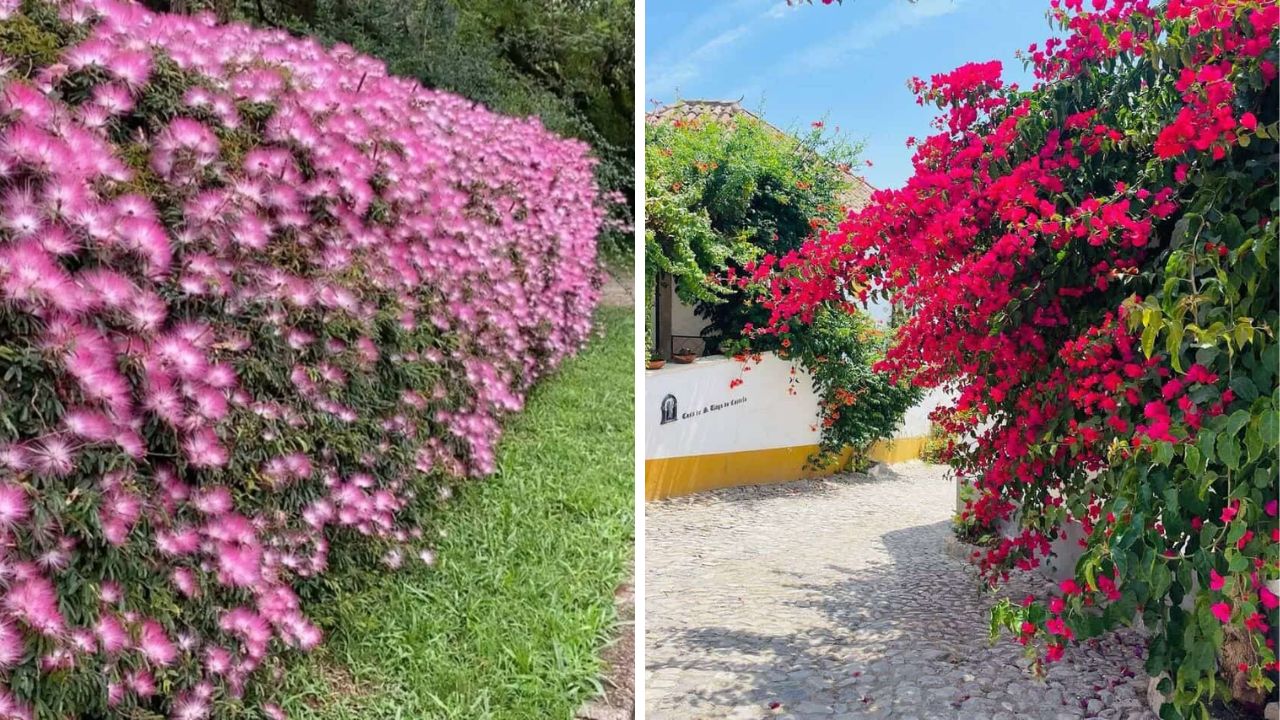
895,16
676,65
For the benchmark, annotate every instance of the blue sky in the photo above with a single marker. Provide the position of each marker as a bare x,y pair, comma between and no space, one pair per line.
847,64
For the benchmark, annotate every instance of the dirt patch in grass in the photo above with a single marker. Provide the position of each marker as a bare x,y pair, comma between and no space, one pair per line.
616,288
619,699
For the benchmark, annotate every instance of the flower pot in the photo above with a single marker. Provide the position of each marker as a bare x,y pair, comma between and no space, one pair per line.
655,364
684,359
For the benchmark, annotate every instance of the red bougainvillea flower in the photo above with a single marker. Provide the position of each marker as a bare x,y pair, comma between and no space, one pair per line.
1216,581
1222,611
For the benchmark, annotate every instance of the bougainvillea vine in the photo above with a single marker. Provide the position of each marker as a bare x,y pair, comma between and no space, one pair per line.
1090,265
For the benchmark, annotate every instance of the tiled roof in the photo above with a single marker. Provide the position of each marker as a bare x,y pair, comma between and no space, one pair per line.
694,109
856,197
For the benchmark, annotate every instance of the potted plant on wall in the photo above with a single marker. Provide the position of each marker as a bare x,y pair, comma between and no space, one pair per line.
685,355
652,361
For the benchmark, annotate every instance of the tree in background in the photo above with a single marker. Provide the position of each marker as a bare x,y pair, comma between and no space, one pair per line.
570,62
720,194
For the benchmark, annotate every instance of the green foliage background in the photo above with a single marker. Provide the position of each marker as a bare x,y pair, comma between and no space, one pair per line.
719,194
861,406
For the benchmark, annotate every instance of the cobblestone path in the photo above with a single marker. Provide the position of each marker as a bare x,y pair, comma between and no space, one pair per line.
835,598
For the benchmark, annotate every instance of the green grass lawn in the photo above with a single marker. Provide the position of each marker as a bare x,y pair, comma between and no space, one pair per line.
510,622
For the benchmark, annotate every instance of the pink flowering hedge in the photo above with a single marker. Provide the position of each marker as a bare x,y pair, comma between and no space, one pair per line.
256,297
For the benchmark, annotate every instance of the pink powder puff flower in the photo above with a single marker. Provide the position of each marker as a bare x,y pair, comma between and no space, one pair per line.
221,376
146,311
57,557
141,682
15,458
210,403
84,641
178,542
239,565
22,215
247,624
111,592
11,708
59,242
132,67
438,159
119,512
14,507
146,237
53,456
89,424
183,149
298,464
107,287
116,693
28,144
203,449
115,99
35,603
188,641
183,356
217,660
112,636
190,707
55,660
393,559
155,644
12,646
186,582
308,635
214,501
27,103
130,443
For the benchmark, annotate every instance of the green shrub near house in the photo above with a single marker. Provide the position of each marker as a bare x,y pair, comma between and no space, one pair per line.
722,193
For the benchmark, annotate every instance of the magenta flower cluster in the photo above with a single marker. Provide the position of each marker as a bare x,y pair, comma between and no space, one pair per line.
261,293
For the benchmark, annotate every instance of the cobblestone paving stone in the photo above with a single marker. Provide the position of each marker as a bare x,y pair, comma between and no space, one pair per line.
835,598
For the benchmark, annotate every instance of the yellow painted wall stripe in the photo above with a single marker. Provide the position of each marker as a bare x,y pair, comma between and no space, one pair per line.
898,450
670,477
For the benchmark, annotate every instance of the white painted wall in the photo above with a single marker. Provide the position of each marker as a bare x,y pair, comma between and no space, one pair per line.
759,414
684,320
915,423
713,418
